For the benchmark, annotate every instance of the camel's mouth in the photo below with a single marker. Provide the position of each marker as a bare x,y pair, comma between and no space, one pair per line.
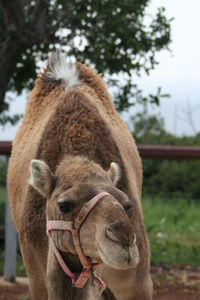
63,241
119,257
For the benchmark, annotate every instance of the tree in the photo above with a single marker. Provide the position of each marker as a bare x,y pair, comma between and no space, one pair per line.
163,178
110,35
147,128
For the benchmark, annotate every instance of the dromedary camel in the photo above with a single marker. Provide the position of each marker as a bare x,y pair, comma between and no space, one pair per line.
74,186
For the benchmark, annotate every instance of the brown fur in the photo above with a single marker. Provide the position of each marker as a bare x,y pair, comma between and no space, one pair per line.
82,126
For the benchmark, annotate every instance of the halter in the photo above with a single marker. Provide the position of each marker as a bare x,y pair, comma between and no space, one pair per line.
78,279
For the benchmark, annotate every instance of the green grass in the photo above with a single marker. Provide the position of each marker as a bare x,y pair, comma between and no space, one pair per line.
173,229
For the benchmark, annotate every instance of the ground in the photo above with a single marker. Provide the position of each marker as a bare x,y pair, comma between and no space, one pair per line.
170,283
14,291
176,283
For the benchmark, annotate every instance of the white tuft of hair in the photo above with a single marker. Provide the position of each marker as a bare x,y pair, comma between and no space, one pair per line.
58,69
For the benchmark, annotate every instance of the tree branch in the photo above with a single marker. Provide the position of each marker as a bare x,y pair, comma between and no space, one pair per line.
40,16
10,54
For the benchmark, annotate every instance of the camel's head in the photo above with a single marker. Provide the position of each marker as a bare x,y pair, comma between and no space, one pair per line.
107,234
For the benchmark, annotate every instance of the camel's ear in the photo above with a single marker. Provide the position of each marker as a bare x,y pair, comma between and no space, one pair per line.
114,173
41,177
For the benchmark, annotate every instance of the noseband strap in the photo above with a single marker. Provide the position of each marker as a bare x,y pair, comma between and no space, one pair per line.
78,279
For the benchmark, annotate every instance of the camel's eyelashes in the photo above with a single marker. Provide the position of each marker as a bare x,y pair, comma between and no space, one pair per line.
66,206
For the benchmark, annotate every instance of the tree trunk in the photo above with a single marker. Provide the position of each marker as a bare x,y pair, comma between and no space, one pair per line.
10,54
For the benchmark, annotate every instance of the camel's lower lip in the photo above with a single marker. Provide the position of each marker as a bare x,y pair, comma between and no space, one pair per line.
110,262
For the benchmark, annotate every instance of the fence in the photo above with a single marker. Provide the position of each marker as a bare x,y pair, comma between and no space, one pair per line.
146,151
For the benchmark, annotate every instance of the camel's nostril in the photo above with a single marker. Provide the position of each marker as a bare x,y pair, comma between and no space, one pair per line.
120,232
115,226
111,235
117,232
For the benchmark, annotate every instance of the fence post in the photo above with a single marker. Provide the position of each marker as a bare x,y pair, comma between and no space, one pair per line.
10,244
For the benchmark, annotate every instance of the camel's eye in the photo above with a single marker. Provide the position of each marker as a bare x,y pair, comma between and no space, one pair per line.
66,206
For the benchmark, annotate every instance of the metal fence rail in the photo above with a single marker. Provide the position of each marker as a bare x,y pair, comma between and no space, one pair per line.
145,151
169,152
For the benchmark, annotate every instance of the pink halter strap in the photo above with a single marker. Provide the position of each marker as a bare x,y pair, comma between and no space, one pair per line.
78,279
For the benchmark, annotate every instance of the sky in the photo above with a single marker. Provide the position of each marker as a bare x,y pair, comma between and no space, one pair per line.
178,73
